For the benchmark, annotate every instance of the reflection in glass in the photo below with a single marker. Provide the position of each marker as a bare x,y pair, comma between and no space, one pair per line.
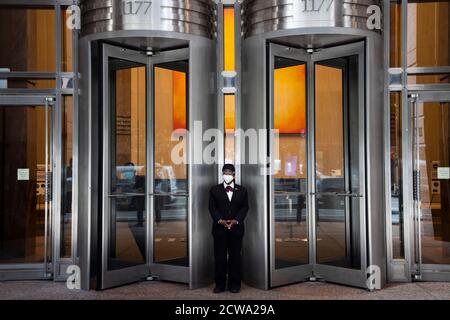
22,183
396,176
395,36
31,45
428,30
170,230
20,83
128,164
428,79
434,154
291,236
329,114
66,45
67,178
337,163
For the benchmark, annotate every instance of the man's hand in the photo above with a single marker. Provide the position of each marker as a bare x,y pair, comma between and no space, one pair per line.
231,224
223,223
228,223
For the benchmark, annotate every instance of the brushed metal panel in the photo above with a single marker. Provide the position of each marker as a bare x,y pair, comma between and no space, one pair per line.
202,100
196,17
255,252
375,184
271,15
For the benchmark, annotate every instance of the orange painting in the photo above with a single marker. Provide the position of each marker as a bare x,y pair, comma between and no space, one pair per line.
290,99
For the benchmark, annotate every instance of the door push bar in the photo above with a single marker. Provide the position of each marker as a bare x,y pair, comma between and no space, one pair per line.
338,194
131,194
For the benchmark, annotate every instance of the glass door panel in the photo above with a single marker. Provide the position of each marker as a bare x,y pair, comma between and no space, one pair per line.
128,164
170,229
25,152
339,165
317,203
291,236
431,178
289,218
170,175
125,167
337,223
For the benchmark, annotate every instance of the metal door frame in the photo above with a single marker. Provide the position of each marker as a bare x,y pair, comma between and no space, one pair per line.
313,270
44,270
420,271
303,272
156,270
135,273
160,270
354,277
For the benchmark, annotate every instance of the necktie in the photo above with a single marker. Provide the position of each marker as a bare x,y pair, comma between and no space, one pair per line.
228,189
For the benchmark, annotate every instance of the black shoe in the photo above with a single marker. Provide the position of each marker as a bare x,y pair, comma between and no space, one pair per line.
218,290
235,289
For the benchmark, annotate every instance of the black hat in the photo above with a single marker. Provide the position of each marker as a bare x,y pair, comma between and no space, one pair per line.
228,166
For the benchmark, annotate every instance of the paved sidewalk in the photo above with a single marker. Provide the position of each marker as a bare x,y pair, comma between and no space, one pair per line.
171,291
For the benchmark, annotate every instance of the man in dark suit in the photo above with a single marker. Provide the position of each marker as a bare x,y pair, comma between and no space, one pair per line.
228,205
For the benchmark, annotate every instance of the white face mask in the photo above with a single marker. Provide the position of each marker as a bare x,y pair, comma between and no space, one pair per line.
228,178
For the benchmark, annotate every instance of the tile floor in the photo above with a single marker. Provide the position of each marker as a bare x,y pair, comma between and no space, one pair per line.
17,290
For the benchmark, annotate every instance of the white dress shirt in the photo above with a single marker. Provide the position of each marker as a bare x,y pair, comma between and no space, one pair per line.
229,193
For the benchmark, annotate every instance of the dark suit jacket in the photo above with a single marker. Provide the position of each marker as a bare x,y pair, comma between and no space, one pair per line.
220,207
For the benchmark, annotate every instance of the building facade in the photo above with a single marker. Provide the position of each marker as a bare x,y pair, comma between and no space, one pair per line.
116,117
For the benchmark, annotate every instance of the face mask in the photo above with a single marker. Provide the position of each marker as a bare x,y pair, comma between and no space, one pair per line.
228,178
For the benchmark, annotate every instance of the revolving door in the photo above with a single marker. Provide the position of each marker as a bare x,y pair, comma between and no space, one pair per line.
317,211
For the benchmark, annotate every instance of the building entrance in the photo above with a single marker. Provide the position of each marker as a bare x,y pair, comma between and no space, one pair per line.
431,175
145,190
317,184
26,155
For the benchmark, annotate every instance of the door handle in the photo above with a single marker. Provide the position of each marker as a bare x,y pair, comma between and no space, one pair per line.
168,194
124,195
349,195
338,194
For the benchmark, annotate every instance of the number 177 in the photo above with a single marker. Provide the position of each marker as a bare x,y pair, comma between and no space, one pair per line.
135,7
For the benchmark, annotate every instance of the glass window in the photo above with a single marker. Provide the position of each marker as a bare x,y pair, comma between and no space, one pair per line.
18,83
228,36
291,232
395,35
337,162
432,157
429,79
66,45
428,34
22,183
31,47
170,230
128,164
396,175
67,176
229,99
230,103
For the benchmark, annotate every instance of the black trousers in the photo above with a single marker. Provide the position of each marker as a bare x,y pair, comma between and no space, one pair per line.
227,255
